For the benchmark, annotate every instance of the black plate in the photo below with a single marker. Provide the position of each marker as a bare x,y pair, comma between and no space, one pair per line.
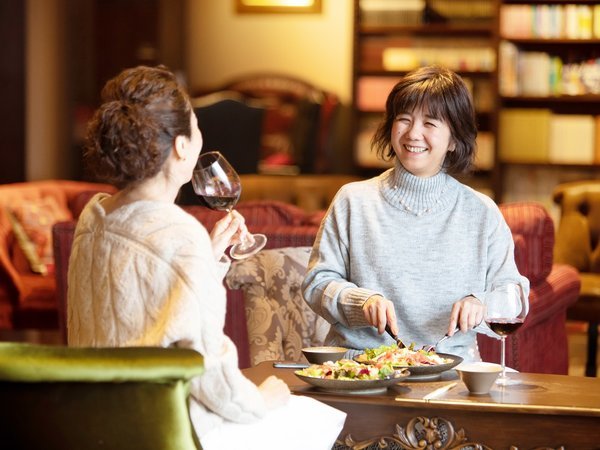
422,370
354,386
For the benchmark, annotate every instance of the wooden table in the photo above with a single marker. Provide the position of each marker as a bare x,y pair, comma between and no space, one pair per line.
544,412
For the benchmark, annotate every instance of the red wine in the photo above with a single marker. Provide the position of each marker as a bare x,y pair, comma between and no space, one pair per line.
504,327
221,202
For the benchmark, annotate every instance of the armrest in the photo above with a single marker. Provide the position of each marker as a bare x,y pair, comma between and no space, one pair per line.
95,397
62,241
553,295
41,363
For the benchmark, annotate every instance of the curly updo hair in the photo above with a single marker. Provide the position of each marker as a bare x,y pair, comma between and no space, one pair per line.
132,133
444,95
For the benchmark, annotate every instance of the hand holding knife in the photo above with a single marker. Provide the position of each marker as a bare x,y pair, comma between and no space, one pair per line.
395,337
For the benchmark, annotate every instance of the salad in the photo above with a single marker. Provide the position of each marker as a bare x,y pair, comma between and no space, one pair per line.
401,357
347,369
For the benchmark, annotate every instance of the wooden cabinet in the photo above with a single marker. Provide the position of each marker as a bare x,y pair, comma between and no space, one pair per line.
548,92
394,37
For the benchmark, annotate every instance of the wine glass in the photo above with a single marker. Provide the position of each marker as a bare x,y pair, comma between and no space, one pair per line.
217,182
507,308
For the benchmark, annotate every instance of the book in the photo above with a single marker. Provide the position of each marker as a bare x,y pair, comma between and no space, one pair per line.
392,12
372,92
597,140
571,139
508,69
584,21
399,59
523,135
516,21
484,157
534,74
465,55
596,21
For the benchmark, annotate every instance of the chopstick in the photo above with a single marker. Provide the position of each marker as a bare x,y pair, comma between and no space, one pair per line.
438,392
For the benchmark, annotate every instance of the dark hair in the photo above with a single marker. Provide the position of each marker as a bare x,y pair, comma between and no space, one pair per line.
445,96
131,134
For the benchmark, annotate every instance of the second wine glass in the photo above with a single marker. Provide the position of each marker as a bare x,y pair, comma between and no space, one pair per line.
507,308
219,185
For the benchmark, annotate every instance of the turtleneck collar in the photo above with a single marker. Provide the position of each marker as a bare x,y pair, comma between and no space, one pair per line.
415,195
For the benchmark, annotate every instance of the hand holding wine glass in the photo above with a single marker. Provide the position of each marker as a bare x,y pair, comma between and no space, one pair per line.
507,308
217,182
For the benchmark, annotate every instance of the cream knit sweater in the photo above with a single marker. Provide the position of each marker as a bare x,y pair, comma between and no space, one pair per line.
145,275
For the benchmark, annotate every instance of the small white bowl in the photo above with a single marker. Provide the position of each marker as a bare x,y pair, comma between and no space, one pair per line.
319,355
479,376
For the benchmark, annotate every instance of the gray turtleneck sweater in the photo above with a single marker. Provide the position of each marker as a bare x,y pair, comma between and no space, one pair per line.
423,243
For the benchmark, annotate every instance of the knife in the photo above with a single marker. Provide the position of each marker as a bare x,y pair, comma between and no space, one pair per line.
395,337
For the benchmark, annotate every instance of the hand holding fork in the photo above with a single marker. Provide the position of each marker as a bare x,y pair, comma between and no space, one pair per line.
431,348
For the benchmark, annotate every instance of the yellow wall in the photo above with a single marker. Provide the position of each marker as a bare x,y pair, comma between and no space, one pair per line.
222,44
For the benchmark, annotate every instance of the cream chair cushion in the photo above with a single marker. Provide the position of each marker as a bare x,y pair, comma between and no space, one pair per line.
280,323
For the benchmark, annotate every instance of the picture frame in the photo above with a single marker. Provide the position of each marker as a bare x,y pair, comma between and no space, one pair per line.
278,6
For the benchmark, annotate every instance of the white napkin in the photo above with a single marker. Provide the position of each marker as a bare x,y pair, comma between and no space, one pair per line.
303,423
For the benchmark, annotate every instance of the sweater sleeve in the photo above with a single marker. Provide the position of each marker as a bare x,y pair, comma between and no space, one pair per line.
198,324
502,272
326,287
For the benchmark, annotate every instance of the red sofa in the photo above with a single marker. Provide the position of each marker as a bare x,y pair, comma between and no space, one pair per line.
540,346
28,299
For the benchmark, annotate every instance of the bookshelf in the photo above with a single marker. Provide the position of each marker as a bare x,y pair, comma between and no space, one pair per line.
533,67
549,76
392,37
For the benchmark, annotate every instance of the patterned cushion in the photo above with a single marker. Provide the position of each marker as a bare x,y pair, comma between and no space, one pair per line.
24,253
37,217
280,323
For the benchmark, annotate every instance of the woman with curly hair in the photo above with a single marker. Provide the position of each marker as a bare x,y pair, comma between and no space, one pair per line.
143,272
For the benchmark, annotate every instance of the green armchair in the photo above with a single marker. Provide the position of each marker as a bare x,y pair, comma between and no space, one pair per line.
86,398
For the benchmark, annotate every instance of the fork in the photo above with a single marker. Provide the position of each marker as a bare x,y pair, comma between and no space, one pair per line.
430,348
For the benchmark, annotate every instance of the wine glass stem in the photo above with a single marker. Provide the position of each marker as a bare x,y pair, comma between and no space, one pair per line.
503,356
246,240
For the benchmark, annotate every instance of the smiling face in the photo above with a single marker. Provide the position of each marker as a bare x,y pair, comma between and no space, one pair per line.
428,112
421,142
